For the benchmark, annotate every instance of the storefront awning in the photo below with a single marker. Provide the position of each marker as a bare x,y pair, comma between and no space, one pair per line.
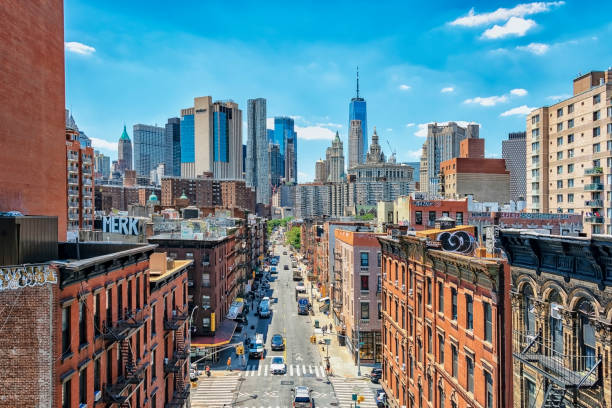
223,335
235,309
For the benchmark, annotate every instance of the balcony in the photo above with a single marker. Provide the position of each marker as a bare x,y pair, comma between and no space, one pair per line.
73,180
87,203
594,220
72,156
73,169
594,203
593,187
73,204
593,171
87,181
124,327
179,398
73,192
563,371
172,365
177,319
73,216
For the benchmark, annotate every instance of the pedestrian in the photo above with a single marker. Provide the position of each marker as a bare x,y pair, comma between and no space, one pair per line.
324,328
330,327
229,363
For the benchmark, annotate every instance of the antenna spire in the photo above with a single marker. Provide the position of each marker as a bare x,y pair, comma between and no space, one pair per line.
358,81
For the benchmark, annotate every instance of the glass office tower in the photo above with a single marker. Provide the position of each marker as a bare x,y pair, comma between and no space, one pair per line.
357,111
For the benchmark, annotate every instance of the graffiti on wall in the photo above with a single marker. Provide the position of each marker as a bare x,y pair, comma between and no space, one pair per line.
457,241
18,277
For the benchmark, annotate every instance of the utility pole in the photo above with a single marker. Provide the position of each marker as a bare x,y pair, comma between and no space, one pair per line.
358,348
190,330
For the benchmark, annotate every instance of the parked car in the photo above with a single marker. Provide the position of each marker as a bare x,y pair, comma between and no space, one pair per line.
278,366
300,287
301,397
277,343
286,267
381,398
376,375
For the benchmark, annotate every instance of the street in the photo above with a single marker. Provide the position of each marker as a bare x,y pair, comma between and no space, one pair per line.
253,384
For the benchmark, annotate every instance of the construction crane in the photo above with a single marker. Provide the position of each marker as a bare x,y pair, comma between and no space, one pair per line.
390,148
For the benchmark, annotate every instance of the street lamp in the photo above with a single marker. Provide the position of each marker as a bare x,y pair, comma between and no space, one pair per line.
190,329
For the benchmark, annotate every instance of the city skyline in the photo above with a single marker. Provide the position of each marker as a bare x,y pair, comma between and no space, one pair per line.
420,66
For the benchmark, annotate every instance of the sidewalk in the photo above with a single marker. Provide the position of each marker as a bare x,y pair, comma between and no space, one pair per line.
340,358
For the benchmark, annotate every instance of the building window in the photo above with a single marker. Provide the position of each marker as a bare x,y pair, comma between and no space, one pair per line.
570,138
378,259
488,390
365,259
97,370
82,323
560,155
66,335
429,341
559,198
560,141
596,131
535,119
528,310
419,305
559,183
109,307
454,304
535,146
365,282
83,386
440,297
441,349
570,198
570,168
432,219
420,346
559,112
429,388
470,373
596,99
418,218
440,397
469,312
530,393
535,133
153,318
570,183
570,123
455,357
96,315
488,322
570,108
560,127
138,293
596,148
66,394
129,295
429,289
365,310
459,218
570,153
559,169
586,337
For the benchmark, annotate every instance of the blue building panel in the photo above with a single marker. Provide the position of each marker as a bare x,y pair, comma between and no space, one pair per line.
187,139
358,111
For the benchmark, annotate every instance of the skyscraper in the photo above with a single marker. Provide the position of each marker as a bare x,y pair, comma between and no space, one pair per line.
217,140
102,165
149,146
320,171
290,160
172,151
355,143
334,156
357,111
124,156
275,159
187,144
442,144
258,164
286,137
514,152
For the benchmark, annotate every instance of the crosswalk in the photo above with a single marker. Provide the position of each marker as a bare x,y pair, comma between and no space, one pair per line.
345,389
215,392
293,370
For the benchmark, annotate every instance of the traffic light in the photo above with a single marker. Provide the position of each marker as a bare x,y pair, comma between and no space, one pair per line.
360,398
239,350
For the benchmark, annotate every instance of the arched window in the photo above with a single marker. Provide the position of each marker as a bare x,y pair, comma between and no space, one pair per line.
528,310
586,336
403,276
556,323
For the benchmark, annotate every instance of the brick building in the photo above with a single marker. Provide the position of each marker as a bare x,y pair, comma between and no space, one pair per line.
206,192
109,197
88,329
555,223
80,183
356,291
446,322
561,319
33,155
420,214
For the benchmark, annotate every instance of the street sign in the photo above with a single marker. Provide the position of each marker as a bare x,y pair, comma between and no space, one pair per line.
354,397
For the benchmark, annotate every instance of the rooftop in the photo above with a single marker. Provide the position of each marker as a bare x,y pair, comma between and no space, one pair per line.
160,270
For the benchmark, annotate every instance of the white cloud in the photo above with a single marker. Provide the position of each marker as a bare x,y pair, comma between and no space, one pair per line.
103,144
404,87
314,133
422,127
504,14
79,48
518,92
558,97
333,125
534,48
304,177
422,130
487,101
413,155
389,130
518,111
516,26
448,89
409,124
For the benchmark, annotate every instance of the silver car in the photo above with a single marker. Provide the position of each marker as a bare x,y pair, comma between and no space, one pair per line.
301,397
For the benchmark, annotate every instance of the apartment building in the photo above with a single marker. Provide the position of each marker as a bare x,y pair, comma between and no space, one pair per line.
569,154
445,322
561,319
80,183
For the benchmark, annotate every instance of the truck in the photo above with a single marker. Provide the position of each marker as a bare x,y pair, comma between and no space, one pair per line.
256,350
297,275
264,307
302,305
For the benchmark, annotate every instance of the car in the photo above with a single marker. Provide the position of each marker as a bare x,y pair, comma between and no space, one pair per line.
301,397
278,366
381,398
375,375
286,267
277,342
300,287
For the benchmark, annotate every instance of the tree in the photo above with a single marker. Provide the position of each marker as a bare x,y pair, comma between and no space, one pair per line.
294,236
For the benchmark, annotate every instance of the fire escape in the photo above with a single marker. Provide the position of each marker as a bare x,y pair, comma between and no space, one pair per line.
337,296
564,373
176,366
129,375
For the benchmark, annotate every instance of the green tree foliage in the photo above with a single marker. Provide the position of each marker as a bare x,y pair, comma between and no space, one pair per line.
276,223
293,237
366,217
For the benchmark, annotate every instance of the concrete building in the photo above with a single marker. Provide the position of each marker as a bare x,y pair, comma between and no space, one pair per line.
446,327
568,155
187,133
355,147
149,148
561,319
442,144
101,165
311,200
258,165
514,153
80,184
172,152
290,161
356,291
334,157
32,158
124,152
378,179
320,171
487,180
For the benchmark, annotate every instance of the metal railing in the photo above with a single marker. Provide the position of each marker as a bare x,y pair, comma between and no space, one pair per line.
174,322
593,187
594,220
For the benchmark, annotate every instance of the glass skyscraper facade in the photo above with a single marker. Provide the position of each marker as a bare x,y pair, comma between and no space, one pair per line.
187,139
173,148
258,159
358,111
284,136
220,137
149,148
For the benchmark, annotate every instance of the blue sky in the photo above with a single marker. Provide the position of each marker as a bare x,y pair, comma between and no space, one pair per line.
484,62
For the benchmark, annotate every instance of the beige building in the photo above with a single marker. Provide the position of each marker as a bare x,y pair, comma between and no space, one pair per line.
569,154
